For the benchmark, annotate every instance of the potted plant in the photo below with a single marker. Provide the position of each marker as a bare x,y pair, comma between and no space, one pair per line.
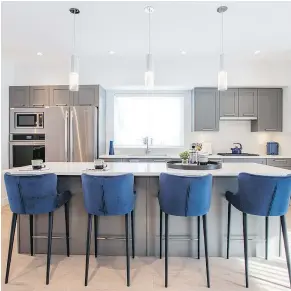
185,157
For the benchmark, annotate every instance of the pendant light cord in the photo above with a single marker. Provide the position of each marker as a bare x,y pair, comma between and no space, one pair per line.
222,49
74,35
149,32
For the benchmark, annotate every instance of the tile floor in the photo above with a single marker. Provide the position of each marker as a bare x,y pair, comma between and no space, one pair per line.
108,273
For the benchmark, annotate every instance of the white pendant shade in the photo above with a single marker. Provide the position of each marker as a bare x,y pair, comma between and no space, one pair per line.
74,74
149,75
222,80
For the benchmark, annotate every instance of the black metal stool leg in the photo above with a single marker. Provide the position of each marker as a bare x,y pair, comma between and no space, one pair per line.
228,229
245,232
286,245
132,234
198,235
31,233
12,233
161,233
89,227
267,237
49,246
67,228
96,223
166,248
127,252
206,249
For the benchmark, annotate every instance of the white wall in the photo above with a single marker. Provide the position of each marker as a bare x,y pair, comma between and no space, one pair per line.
7,79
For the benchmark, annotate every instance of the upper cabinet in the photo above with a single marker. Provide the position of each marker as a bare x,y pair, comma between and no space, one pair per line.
205,102
18,96
87,95
228,103
39,96
61,96
248,103
270,102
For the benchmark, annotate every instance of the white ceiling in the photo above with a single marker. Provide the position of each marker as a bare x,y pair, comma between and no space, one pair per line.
29,27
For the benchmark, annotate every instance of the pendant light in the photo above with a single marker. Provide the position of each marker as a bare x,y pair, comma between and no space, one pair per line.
222,74
149,73
74,73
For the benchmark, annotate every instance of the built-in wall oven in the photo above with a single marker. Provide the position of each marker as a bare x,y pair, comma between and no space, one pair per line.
26,147
27,120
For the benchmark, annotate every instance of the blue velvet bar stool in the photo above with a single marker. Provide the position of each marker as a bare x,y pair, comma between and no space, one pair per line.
32,195
262,196
108,196
187,197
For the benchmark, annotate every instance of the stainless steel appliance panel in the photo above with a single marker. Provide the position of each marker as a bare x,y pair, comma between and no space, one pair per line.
57,134
83,133
27,120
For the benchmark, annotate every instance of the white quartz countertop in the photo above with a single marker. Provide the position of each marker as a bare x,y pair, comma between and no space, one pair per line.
148,169
177,157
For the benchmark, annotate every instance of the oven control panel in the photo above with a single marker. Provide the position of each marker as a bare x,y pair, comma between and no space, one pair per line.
27,137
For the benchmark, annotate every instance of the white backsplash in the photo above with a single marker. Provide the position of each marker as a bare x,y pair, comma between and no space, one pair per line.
240,131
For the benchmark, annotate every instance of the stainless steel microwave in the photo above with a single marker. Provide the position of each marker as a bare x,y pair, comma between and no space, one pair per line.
27,120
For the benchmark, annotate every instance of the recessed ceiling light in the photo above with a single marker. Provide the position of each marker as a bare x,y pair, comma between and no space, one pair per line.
257,53
39,54
111,52
183,52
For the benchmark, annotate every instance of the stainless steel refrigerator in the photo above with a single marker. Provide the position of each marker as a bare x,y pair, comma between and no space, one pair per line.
74,134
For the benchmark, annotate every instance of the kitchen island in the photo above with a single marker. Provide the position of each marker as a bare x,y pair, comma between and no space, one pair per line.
182,231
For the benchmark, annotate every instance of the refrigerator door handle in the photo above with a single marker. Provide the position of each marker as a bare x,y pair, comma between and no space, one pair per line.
66,134
71,137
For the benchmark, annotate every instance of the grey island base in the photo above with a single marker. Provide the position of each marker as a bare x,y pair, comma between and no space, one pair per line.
183,232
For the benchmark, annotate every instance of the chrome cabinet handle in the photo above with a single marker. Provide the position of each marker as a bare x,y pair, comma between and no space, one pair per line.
229,114
66,134
61,104
38,105
133,161
283,161
71,137
248,114
270,129
207,129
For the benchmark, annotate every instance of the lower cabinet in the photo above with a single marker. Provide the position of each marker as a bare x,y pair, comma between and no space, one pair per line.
247,160
280,163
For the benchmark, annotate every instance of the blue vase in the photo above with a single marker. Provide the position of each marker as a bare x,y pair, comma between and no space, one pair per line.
111,148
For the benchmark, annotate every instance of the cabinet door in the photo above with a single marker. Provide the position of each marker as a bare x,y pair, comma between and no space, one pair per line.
39,96
248,102
87,95
18,96
206,110
60,96
269,110
228,103
280,163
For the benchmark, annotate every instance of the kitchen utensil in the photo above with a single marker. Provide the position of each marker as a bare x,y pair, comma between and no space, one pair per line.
237,149
98,164
203,158
37,164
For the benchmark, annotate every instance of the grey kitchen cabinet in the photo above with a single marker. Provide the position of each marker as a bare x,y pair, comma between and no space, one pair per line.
280,163
39,96
270,103
18,96
228,103
205,102
113,160
246,160
87,95
61,96
247,102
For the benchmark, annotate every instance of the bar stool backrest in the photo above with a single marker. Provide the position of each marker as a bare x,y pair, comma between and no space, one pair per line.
108,195
185,196
263,195
31,194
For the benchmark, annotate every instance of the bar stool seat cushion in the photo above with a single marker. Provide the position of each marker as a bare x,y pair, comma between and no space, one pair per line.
34,194
261,195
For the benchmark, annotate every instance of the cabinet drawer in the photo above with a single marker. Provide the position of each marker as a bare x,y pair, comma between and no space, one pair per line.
247,160
279,162
113,160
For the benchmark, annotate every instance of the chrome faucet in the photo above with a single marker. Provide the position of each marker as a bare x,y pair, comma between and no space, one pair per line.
146,142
